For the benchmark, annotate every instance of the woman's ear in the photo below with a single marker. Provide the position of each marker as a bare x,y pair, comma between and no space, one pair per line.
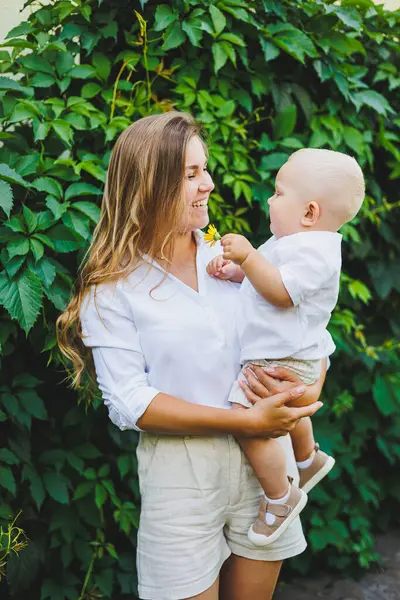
311,214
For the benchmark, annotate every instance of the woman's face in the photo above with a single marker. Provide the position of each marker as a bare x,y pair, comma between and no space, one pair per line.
198,185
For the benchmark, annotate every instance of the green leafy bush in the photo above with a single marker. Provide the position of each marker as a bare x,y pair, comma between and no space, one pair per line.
265,78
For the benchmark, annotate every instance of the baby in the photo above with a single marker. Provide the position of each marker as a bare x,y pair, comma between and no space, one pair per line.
290,287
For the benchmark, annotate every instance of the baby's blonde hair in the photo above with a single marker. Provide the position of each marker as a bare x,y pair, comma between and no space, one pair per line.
340,179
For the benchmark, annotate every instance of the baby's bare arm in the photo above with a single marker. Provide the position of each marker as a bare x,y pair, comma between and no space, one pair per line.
262,275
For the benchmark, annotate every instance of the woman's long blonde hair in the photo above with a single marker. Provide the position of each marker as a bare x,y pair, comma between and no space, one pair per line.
142,208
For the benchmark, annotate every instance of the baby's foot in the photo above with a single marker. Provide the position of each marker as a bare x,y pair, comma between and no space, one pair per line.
320,466
274,519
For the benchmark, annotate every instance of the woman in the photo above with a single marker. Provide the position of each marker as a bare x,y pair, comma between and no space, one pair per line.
162,337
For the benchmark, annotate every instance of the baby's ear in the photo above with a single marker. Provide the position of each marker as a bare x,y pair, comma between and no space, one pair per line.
312,213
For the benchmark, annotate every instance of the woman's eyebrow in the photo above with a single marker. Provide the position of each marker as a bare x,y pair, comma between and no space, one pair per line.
194,167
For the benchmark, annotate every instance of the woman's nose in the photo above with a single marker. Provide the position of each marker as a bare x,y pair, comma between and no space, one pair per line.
207,184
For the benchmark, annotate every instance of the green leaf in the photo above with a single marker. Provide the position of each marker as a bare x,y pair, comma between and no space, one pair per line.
56,207
49,185
174,36
64,63
227,109
218,19
32,403
274,161
6,198
21,112
124,465
164,16
18,247
102,65
353,139
233,39
348,15
100,495
89,209
63,130
10,84
77,222
30,219
37,249
374,100
22,29
12,176
17,224
270,50
8,457
56,487
94,169
14,265
7,480
45,219
42,80
285,122
25,380
22,298
341,43
36,63
45,270
59,293
41,131
45,240
82,490
36,486
384,397
292,40
82,72
193,31
90,90
81,189
220,56
64,239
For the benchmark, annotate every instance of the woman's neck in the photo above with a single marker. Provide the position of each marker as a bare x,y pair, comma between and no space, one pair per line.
184,249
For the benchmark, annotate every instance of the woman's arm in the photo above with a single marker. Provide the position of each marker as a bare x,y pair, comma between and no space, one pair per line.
269,418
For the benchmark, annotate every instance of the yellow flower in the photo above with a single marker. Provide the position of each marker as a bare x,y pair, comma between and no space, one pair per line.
212,236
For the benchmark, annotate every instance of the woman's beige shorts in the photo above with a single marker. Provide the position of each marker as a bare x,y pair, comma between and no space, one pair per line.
199,497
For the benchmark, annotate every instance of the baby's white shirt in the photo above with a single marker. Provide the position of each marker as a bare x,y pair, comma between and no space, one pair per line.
309,264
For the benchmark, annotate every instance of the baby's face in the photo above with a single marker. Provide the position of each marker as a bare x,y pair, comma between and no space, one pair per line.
287,206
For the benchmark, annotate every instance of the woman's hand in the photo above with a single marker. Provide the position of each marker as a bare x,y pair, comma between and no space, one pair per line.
271,417
280,400
263,382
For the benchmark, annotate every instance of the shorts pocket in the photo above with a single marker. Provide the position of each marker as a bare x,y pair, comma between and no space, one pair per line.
146,453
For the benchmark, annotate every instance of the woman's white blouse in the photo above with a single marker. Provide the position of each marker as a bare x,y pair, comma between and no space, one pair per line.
151,333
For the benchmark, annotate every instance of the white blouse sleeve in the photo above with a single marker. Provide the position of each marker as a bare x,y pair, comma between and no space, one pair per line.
118,357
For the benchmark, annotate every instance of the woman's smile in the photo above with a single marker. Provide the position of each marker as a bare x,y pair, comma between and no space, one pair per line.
201,204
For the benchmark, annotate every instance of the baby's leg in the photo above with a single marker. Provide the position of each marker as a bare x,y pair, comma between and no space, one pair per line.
313,463
282,502
268,461
303,439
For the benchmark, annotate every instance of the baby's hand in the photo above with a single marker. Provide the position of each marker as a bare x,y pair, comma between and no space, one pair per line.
223,269
236,248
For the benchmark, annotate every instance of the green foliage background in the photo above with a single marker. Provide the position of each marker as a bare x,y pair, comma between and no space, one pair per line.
265,78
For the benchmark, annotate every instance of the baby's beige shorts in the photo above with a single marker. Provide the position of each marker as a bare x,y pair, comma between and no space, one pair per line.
307,370
199,497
